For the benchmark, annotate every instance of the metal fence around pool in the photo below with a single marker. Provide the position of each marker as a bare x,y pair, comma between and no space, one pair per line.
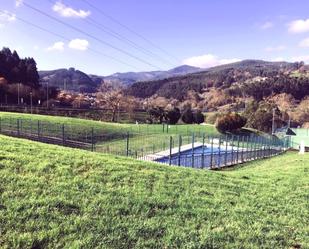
190,149
214,152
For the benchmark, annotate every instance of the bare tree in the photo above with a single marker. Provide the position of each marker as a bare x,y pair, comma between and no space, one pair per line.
111,97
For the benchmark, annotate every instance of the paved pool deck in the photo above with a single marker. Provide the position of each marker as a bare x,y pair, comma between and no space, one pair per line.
183,148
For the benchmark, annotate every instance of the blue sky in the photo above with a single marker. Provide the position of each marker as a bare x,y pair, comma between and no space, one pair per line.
197,32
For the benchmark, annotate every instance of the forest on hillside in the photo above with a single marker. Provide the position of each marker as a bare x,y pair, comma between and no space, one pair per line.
234,88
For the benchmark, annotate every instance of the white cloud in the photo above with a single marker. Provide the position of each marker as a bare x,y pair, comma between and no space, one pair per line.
66,11
299,26
304,43
267,25
207,60
274,49
79,44
18,3
304,58
57,46
6,16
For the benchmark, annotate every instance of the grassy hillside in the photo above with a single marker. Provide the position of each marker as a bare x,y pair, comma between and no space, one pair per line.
109,137
107,127
54,197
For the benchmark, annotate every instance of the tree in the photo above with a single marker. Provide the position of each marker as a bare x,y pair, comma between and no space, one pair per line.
111,97
230,122
187,116
260,115
199,117
173,116
157,114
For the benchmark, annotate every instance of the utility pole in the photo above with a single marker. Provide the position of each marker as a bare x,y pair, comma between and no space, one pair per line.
64,84
47,93
31,102
18,100
79,96
273,123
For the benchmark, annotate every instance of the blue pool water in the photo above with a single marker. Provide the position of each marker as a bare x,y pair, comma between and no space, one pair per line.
204,157
201,150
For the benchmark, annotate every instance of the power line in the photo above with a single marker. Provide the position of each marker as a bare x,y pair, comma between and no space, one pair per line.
122,38
131,30
90,35
67,39
125,40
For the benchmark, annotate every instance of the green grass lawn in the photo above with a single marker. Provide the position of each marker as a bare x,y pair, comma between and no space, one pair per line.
109,137
55,197
107,127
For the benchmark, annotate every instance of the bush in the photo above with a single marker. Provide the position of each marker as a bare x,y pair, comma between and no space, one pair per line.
230,122
173,116
187,116
199,117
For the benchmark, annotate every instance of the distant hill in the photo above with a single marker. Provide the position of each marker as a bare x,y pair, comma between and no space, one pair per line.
220,76
132,77
70,80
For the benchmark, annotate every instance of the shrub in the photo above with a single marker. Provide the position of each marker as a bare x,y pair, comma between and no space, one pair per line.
230,122
187,116
199,117
173,116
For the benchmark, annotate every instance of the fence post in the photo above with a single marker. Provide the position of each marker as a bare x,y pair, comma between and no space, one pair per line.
237,153
219,152
192,162
92,139
212,151
265,143
269,147
247,148
203,152
232,153
242,148
63,134
38,127
255,147
127,144
170,156
179,149
226,144
18,131
262,147
163,127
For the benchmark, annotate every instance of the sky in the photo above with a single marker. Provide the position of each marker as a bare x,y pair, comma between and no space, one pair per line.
104,37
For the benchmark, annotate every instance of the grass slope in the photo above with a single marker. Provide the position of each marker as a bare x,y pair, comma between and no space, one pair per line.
54,197
84,124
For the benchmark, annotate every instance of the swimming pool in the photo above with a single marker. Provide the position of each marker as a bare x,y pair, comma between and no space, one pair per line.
207,157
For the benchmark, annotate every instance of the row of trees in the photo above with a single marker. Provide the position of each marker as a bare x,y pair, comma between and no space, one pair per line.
14,69
19,80
172,116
